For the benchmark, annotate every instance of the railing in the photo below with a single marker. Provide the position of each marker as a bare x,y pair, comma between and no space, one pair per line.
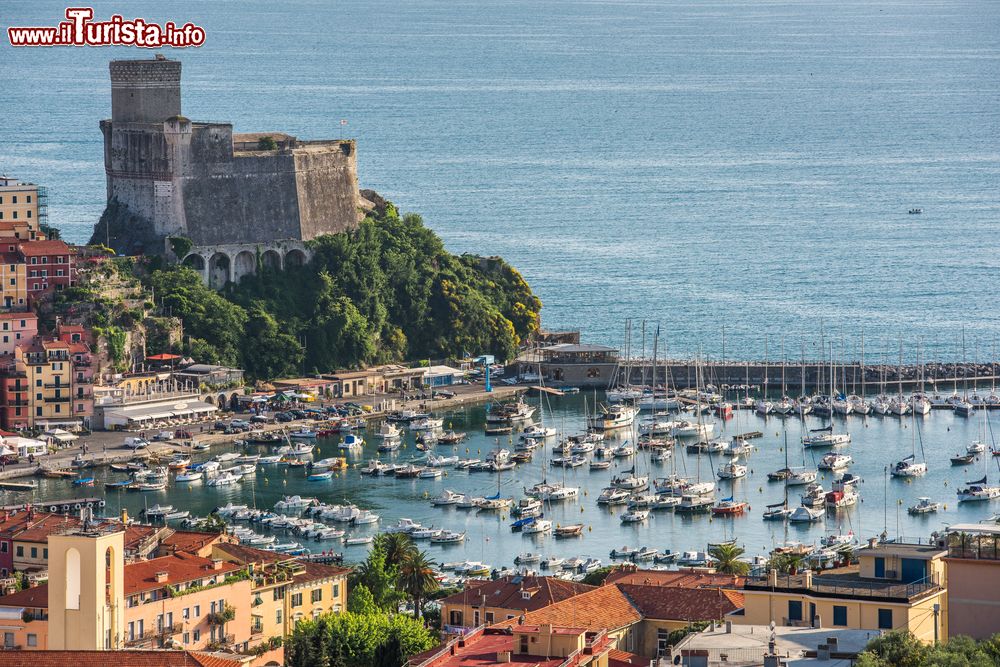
847,587
57,399
974,546
148,635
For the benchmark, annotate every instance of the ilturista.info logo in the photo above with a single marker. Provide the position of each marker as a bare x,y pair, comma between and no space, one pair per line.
80,29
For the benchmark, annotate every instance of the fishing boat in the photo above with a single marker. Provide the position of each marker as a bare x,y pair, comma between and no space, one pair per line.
179,463
451,437
304,434
83,481
201,447
729,507
924,506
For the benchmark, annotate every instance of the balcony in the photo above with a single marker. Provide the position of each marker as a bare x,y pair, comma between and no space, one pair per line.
983,544
57,399
17,404
162,633
56,385
847,585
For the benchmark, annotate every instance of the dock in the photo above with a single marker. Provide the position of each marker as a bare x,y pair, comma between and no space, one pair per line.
18,486
547,390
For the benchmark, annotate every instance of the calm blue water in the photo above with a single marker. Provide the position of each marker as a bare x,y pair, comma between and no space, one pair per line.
746,163
876,442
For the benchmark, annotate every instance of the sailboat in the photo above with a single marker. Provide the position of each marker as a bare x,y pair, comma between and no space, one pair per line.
962,406
764,406
899,405
786,405
859,404
909,466
980,489
919,402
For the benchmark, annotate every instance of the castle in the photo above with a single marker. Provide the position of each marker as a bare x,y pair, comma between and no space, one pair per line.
222,203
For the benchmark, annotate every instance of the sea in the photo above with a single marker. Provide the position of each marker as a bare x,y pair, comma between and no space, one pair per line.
737,169
876,442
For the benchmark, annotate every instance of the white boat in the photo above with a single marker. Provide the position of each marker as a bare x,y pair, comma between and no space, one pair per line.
785,406
351,442
447,497
624,450
834,461
269,460
764,407
357,541
899,406
657,426
689,429
659,456
825,438
304,433
665,501
404,526
388,431
365,517
427,424
635,516
158,510
440,461
189,477
694,559
924,506
858,405
630,481
814,496
613,496
803,514
430,473
225,479
732,470
467,502
424,533
294,503
623,553
881,405
978,491
537,432
909,467
612,417
920,404
738,448
800,476
226,457
975,447
176,516
552,562
537,527
448,537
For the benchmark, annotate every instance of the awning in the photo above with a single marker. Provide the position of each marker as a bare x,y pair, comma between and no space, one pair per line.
61,436
141,413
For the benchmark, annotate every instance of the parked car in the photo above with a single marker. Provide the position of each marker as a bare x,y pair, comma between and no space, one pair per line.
284,417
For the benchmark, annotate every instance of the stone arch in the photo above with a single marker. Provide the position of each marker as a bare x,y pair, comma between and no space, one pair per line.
271,260
223,402
244,264
219,268
73,578
234,401
295,257
210,399
195,261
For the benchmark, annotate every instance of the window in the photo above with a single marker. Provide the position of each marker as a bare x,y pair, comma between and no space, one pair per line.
795,610
213,607
279,593
131,631
20,551
196,635
29,199
885,619
839,614
197,612
879,566
296,599
186,613
32,639
13,199
8,640
3,547
524,645
489,617
45,553
336,591
277,617
316,595
187,638
662,641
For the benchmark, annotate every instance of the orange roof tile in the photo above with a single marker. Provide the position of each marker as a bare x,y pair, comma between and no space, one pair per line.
154,658
180,568
603,608
36,597
190,541
506,592
629,574
38,248
618,658
670,603
19,316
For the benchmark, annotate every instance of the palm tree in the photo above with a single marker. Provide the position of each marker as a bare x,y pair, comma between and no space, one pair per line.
396,547
727,557
416,578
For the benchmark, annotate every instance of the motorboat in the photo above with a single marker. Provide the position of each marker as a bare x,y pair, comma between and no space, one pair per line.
427,424
226,457
975,447
527,507
537,527
659,456
732,470
320,476
689,429
612,417
158,511
613,496
738,447
835,461
296,503
729,507
825,437
552,562
447,497
430,473
571,530
776,512
693,504
635,516
388,431
365,517
641,501
225,479
424,533
694,559
814,496
666,502
962,459
537,432
448,537
924,506
351,442
189,477
623,553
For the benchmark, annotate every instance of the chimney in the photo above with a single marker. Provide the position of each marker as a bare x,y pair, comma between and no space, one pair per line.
872,541
807,578
124,516
823,652
729,627
161,577
503,656
216,563
772,578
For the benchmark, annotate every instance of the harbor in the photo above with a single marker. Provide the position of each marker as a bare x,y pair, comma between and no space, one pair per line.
411,499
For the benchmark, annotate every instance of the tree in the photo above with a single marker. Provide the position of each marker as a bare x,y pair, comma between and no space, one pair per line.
416,578
727,559
597,577
390,653
899,648
379,579
396,547
269,352
361,601
349,639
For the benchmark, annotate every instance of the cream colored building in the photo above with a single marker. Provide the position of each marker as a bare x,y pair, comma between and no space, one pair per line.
895,586
19,202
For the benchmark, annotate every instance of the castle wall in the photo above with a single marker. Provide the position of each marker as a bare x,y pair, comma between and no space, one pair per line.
326,180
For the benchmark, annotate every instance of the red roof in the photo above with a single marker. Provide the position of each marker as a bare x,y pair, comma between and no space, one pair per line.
163,357
629,574
39,248
481,650
603,608
509,592
180,568
189,541
669,603
19,316
154,658
618,658
36,597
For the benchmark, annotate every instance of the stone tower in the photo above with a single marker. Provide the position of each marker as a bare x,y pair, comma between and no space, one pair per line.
86,590
145,91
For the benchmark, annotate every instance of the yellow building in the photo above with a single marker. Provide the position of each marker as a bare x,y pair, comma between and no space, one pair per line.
286,590
21,202
895,586
49,370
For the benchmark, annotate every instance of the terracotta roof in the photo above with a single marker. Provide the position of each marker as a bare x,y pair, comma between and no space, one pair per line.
189,541
318,571
37,597
244,554
507,592
618,658
681,578
180,568
215,660
43,525
682,604
481,650
118,658
19,316
38,248
603,608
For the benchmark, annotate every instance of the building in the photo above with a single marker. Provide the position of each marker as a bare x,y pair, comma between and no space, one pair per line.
503,599
154,406
126,658
209,375
442,376
49,372
223,197
571,364
286,590
730,645
525,645
972,567
896,586
21,203
16,329
13,281
49,265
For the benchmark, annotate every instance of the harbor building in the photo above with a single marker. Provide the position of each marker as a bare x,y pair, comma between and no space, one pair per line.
895,586
220,202
571,364
973,568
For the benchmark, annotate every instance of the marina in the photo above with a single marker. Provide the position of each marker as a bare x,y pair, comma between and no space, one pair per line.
443,496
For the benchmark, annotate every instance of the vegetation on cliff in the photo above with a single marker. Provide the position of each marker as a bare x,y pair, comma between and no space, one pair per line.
386,291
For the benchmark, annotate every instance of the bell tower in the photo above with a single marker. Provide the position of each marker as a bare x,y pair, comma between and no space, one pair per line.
86,589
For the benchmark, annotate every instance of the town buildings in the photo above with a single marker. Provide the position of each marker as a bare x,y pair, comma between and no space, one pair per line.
972,566
21,203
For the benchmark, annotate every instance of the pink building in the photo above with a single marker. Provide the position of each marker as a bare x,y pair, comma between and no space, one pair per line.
16,329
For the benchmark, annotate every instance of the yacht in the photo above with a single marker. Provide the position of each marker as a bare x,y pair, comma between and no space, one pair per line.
815,495
825,437
427,424
615,416
920,404
448,537
689,429
732,470
630,481
803,514
785,406
776,512
909,467
978,491
537,432
835,461
737,448
447,497
764,407
899,406
613,496
537,527
389,431
635,516
800,476
691,504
